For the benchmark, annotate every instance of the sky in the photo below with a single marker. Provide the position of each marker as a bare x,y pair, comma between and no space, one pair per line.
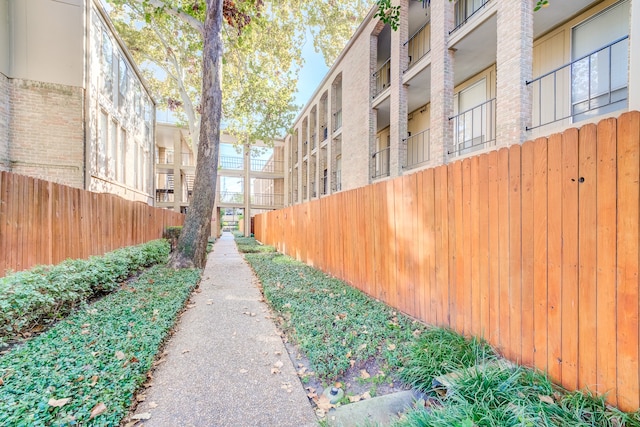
311,74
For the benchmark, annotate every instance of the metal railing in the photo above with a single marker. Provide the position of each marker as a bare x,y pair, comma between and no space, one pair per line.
474,128
269,166
380,164
267,199
337,120
382,77
596,82
465,9
418,45
418,149
229,162
187,159
231,197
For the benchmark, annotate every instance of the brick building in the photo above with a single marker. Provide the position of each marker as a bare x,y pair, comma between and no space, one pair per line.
73,106
459,78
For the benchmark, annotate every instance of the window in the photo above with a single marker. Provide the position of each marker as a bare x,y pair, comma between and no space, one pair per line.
599,73
474,120
107,66
103,141
123,82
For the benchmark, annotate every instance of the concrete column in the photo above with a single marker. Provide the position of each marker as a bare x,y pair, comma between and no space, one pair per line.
398,122
331,109
514,68
178,195
247,190
634,56
442,72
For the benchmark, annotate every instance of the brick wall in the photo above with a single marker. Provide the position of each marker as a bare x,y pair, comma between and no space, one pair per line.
4,123
46,131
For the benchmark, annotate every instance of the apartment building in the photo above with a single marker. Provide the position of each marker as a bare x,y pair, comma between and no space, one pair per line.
459,78
73,106
175,166
250,177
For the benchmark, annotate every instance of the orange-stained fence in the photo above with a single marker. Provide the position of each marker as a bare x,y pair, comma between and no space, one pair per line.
534,247
44,223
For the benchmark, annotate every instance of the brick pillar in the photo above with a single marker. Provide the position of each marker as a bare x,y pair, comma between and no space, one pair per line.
514,68
398,110
441,81
373,116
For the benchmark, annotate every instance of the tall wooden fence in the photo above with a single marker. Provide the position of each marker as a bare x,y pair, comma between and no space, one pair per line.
533,247
45,223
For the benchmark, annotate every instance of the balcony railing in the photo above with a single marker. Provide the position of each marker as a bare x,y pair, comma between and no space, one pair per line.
229,162
337,120
267,199
418,149
313,190
187,159
231,197
594,84
465,9
166,159
474,129
337,180
419,44
269,166
382,78
381,163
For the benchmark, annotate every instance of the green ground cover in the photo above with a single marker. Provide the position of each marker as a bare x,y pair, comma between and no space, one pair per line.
336,326
85,369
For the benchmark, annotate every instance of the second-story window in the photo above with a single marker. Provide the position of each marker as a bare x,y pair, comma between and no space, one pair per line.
107,66
123,82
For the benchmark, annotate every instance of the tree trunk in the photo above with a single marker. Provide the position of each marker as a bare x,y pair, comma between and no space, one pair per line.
191,249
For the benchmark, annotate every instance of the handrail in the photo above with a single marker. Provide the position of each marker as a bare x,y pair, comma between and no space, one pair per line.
466,19
422,151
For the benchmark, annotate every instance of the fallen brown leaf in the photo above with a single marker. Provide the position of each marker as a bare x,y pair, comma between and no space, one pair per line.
278,364
354,399
120,355
324,403
546,399
97,410
94,380
275,371
141,416
365,395
364,374
59,403
153,405
391,347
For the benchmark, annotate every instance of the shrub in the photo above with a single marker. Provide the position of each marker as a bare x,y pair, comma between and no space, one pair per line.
46,293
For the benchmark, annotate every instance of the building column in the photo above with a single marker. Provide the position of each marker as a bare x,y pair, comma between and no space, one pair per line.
398,107
513,69
442,72
634,56
247,190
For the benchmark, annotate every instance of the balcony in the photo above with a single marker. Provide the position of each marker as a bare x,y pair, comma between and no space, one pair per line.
268,166
267,199
592,85
418,149
231,163
474,129
382,78
313,194
231,197
337,120
419,44
380,163
465,9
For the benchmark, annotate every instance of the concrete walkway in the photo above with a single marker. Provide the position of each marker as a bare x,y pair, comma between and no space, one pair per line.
226,364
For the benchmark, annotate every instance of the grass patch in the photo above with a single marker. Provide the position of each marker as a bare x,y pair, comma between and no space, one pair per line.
249,245
47,293
440,351
332,323
515,396
99,354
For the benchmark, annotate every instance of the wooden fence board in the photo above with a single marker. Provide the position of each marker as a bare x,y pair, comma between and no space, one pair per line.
515,254
570,259
456,277
467,241
440,295
474,270
554,292
527,266
503,248
540,251
587,257
627,304
606,328
493,334
483,251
